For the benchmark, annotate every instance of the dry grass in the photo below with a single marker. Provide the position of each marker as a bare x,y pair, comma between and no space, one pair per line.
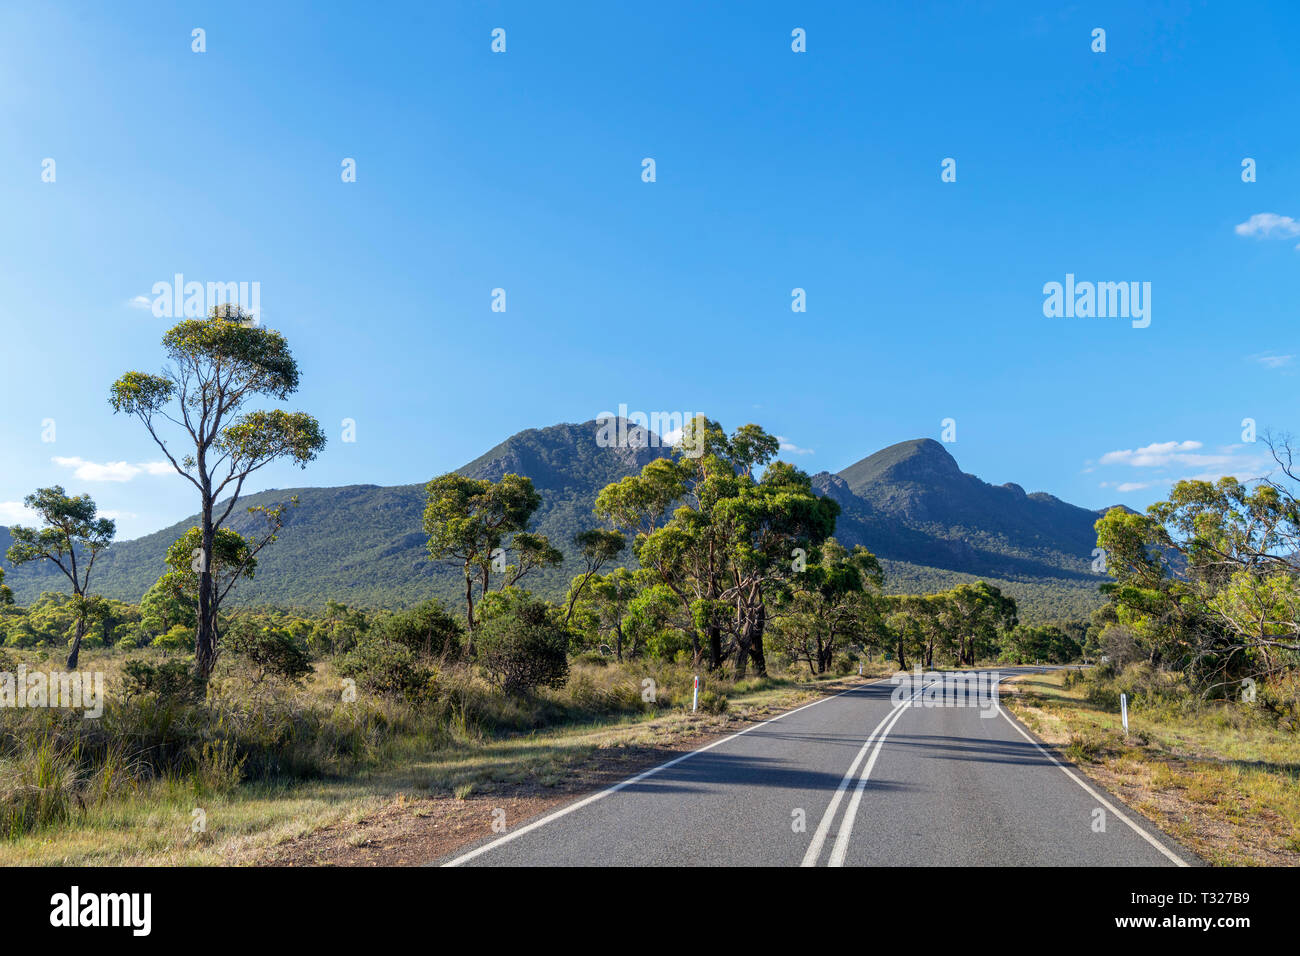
1222,779
480,746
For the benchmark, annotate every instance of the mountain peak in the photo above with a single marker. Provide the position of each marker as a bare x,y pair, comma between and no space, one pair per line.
917,460
553,457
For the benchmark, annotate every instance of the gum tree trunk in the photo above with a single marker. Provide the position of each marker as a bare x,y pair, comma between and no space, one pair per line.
205,641
757,624
76,644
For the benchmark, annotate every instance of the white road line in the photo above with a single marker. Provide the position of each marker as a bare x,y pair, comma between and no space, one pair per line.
841,848
565,811
823,828
1177,860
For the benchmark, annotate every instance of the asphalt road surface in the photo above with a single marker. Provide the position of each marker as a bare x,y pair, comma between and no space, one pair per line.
865,778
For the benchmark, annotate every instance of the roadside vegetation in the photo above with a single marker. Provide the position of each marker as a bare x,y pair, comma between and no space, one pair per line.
1201,637
265,753
1221,776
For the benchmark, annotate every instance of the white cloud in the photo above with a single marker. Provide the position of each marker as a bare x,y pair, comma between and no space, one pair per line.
111,470
792,448
15,512
1269,225
1240,461
1269,360
1126,486
140,302
1162,454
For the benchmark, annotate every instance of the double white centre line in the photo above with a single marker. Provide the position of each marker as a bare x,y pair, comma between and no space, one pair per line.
876,738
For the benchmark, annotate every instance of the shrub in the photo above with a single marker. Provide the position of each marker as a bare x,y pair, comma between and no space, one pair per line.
713,703
427,629
171,680
1149,685
269,652
1119,646
522,645
340,631
178,638
1103,696
388,669
21,635
1082,748
668,645
1281,699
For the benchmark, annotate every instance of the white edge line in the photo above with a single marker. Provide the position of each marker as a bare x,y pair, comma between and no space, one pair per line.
566,810
1177,860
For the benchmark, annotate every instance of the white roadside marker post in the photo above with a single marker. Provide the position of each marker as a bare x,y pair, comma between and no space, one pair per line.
1123,710
695,698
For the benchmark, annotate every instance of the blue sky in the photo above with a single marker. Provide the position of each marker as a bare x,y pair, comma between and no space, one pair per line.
775,170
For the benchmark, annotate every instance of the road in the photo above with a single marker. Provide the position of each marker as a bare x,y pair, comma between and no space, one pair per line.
857,779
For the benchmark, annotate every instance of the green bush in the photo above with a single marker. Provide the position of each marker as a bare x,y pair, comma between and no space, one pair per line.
21,634
339,632
668,645
269,652
713,703
522,645
171,680
427,629
1281,700
179,638
388,669
1103,696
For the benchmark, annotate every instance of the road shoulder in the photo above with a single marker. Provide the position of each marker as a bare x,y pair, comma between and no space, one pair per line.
409,828
1187,799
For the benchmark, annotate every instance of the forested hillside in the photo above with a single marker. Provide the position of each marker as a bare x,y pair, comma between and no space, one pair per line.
934,526
931,525
363,544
